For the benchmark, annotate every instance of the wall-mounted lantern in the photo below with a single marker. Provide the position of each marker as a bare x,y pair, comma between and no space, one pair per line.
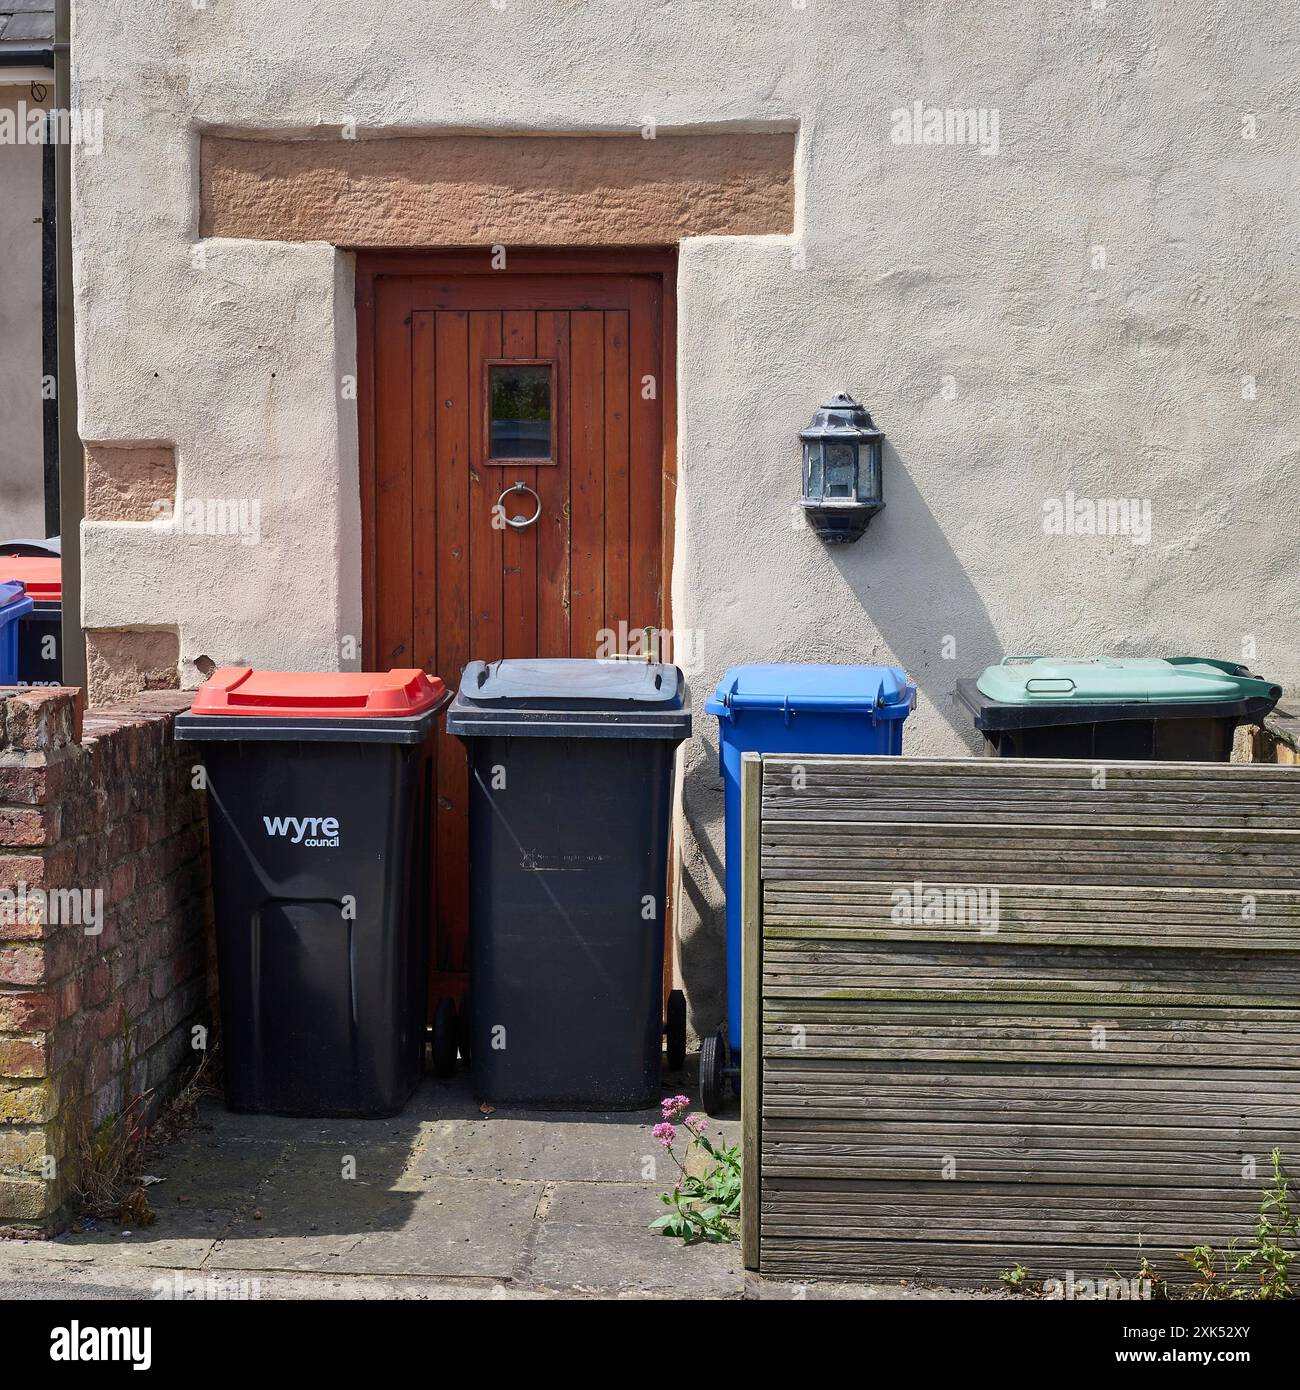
841,470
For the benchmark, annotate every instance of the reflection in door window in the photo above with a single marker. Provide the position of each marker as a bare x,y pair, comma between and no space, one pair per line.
520,406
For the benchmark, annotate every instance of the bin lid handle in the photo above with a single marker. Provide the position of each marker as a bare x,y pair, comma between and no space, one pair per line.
1251,684
789,705
792,704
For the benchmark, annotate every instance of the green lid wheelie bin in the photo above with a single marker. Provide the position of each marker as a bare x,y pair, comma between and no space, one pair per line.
1175,709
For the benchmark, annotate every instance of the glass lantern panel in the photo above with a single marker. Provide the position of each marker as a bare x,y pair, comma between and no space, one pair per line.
812,470
869,473
840,467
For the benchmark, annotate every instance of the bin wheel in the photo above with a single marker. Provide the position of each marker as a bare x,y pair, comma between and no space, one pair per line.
444,1039
675,1030
465,1028
713,1061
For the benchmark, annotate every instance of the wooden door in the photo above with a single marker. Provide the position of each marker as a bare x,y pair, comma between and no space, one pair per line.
488,397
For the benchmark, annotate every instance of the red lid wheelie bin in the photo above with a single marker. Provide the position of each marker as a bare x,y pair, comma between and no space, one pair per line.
317,789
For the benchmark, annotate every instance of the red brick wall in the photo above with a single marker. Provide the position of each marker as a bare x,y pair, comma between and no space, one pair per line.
91,1019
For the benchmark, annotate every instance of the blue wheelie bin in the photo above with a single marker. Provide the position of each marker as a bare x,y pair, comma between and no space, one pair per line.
14,606
41,632
795,708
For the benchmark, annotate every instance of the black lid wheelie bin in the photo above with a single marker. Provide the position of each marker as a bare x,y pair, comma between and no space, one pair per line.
571,768
318,786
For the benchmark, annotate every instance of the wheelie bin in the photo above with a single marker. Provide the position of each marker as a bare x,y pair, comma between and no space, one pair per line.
14,607
788,708
1179,709
40,637
318,786
571,775
51,545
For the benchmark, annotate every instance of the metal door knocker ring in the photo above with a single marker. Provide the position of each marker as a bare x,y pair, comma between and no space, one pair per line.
520,522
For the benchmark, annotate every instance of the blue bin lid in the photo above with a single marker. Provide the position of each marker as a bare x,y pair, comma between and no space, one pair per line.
12,591
881,691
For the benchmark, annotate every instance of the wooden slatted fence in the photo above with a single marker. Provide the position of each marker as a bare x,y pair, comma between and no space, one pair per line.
1014,1011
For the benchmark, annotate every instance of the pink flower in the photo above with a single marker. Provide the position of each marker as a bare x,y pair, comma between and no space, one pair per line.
665,1134
674,1107
697,1123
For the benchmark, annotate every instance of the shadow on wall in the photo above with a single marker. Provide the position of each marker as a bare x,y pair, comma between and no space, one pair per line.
912,588
925,607
701,915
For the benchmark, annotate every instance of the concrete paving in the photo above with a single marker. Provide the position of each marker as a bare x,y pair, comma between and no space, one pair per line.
440,1202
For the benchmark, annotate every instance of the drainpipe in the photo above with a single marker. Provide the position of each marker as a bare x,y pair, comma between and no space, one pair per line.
50,336
71,463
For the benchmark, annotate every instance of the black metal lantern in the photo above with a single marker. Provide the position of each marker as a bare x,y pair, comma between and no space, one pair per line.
841,470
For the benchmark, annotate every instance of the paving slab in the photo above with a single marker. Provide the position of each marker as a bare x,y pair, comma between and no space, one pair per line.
279,1287
441,1201
548,1148
144,1247
208,1176
336,1170
625,1259
456,1227
330,1194
432,1101
634,1205
117,1282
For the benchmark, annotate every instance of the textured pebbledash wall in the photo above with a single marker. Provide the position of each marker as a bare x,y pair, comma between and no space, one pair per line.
1100,302
104,910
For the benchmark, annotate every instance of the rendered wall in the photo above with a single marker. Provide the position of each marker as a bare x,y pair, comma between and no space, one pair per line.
1103,309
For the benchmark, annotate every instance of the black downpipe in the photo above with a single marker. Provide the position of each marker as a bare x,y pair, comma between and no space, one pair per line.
49,339
71,466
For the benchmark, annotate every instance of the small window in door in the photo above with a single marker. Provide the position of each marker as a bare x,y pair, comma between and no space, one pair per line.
520,399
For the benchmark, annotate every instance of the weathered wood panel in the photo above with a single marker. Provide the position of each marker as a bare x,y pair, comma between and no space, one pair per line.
1020,1012
751,792
1161,1097
1042,915
998,1213
984,969
958,1264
